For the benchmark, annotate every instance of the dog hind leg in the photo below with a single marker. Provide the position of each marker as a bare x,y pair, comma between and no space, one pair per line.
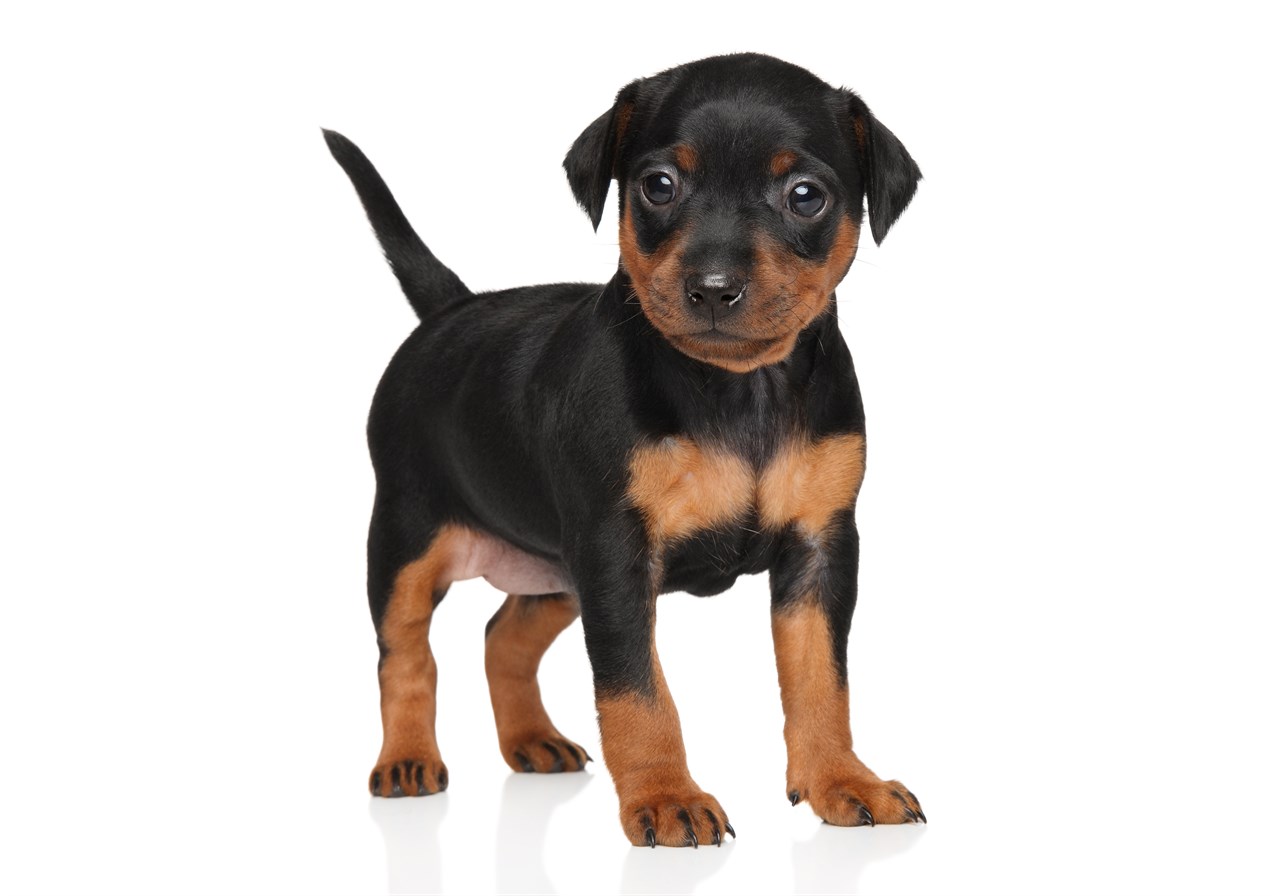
515,639
403,596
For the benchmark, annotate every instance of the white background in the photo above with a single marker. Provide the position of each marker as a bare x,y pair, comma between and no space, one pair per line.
1065,643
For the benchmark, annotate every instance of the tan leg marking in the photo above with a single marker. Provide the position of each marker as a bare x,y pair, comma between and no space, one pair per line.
660,802
821,765
808,483
410,763
681,488
521,633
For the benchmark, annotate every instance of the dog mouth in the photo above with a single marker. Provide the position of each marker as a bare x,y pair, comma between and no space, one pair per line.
724,343
714,335
719,336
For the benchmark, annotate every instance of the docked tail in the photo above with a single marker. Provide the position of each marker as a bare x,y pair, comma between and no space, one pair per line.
427,283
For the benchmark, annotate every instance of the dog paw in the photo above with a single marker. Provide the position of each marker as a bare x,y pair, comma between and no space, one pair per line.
688,818
856,800
408,777
546,755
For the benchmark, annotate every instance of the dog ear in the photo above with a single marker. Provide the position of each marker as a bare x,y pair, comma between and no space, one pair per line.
591,161
888,171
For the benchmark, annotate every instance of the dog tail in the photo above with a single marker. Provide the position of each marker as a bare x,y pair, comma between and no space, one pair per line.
426,282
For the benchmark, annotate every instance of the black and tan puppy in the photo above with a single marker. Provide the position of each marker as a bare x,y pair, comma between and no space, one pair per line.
586,448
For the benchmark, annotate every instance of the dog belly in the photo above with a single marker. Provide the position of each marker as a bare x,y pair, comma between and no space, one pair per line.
506,567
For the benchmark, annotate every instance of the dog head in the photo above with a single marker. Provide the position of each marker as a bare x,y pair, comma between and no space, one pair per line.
741,182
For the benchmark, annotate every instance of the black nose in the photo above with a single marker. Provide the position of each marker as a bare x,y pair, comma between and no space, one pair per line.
714,294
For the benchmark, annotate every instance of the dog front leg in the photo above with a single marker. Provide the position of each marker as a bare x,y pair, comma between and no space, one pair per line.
639,726
814,586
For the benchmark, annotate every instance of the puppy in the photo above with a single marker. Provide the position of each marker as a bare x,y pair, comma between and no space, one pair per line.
586,448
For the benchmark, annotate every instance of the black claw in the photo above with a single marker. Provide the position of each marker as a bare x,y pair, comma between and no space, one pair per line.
728,827
864,814
577,758
916,813
558,764
690,836
443,779
418,772
715,826
396,789
794,796
588,755
650,836
375,784
906,807
525,764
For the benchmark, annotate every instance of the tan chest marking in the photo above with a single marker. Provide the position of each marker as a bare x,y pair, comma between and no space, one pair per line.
682,487
808,483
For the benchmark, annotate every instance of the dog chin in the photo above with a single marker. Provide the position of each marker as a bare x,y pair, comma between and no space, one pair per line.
740,354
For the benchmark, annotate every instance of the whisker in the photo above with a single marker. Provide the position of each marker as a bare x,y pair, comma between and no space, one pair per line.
621,322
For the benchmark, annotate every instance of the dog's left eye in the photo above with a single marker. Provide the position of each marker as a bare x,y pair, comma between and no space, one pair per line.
659,188
806,200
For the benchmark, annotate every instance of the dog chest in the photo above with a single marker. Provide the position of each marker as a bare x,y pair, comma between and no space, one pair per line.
684,487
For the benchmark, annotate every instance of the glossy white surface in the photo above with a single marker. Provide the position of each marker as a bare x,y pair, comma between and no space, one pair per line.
1065,642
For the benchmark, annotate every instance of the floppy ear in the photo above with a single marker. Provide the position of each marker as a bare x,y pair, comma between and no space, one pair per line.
590,161
888,171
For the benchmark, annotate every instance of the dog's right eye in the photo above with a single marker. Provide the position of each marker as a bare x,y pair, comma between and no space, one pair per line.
659,188
806,200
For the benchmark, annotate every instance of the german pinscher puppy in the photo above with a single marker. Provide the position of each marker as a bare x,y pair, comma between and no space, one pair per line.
586,448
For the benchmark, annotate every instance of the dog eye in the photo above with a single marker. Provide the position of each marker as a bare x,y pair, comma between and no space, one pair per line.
806,200
659,188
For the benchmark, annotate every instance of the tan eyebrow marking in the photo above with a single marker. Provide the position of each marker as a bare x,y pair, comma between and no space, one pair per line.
686,157
781,162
